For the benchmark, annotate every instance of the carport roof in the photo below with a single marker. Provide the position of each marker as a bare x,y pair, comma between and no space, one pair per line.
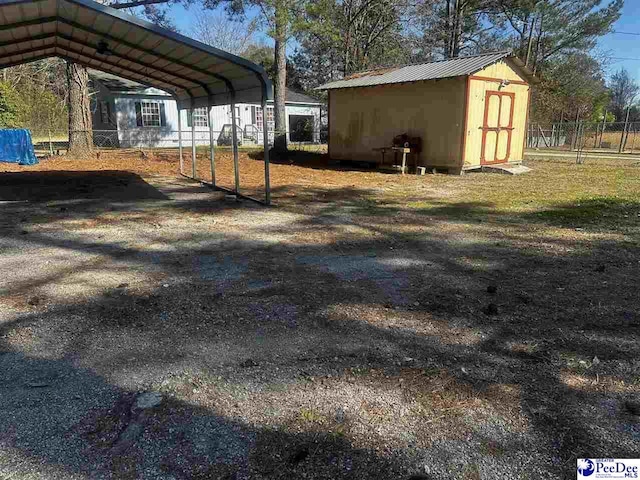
100,37
457,67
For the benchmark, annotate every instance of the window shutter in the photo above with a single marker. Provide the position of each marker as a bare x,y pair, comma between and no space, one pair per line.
253,115
189,118
163,115
139,114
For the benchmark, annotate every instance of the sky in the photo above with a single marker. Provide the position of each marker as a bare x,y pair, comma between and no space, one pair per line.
184,18
624,46
614,46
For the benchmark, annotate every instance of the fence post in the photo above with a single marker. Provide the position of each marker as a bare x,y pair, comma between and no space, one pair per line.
50,144
624,131
604,125
544,139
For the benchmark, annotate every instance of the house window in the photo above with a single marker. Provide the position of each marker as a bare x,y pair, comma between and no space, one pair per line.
200,116
270,118
150,114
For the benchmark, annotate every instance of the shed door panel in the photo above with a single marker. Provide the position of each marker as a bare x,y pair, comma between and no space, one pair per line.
497,127
490,142
502,146
493,110
506,111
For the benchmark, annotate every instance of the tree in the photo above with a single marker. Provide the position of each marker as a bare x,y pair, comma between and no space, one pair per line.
450,28
264,55
541,29
341,37
80,122
218,31
41,91
573,88
623,90
9,106
280,19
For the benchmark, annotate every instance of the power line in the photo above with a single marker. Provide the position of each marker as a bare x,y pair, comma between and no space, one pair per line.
637,34
625,58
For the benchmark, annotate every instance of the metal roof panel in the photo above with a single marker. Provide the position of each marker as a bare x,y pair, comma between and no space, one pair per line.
456,67
194,72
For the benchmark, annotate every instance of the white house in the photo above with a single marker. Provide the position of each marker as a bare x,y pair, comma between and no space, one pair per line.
130,115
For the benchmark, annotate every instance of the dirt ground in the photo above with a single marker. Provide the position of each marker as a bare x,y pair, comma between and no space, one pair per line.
368,325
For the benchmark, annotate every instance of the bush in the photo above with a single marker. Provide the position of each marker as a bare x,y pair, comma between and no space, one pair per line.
9,106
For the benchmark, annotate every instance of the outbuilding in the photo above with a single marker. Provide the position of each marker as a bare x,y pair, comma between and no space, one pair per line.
467,112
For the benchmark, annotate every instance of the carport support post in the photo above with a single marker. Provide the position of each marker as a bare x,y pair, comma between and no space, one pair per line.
265,133
212,147
234,142
180,140
194,167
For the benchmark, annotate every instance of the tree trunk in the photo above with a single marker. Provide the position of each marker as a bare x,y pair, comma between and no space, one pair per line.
280,138
80,124
530,42
447,49
457,37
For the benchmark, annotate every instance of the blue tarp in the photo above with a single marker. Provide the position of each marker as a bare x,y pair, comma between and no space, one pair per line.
16,147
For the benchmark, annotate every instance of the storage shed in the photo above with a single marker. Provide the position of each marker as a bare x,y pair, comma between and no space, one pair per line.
468,112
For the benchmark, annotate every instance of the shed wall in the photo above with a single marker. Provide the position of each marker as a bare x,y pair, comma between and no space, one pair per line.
476,111
500,70
361,119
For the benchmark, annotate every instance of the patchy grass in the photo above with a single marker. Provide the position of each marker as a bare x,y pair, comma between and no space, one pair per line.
368,325
598,211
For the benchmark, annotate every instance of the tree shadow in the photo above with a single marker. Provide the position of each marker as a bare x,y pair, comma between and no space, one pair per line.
72,185
600,211
63,421
317,161
400,314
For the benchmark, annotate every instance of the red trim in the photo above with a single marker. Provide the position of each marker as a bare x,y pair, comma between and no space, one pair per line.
497,80
465,121
497,129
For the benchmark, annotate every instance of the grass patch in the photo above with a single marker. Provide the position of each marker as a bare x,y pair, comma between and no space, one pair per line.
593,211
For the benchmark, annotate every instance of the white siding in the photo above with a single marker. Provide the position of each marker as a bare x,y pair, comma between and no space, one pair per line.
130,135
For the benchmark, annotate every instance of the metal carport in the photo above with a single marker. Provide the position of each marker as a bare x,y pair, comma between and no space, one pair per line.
100,37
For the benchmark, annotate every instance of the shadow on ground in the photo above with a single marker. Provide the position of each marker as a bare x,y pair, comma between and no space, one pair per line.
60,185
316,161
339,339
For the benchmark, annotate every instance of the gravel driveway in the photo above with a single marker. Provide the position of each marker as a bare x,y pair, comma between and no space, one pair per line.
150,329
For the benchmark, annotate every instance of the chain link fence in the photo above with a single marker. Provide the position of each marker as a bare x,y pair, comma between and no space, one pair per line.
57,143
588,137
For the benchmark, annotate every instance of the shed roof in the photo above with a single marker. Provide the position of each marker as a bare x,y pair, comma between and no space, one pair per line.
457,67
100,37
